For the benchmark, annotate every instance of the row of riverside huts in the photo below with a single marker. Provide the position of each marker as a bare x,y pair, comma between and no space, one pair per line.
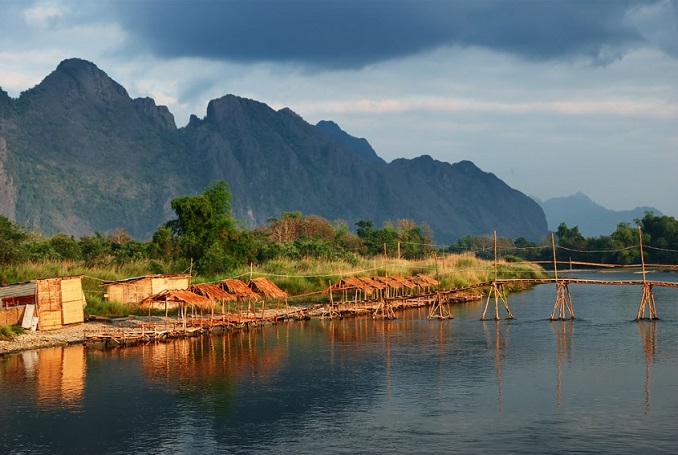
51,303
47,304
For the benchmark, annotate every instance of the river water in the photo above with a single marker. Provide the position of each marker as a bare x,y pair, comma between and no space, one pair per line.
602,383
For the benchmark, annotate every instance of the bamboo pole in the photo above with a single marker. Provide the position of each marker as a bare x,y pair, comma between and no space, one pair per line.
647,299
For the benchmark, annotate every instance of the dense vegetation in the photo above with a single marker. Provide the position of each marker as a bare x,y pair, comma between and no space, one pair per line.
659,236
206,239
304,254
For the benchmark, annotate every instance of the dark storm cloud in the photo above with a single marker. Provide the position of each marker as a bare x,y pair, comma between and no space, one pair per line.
353,33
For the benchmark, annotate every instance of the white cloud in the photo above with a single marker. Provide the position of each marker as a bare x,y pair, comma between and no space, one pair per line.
43,16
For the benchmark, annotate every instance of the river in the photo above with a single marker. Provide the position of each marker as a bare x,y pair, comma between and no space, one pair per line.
602,383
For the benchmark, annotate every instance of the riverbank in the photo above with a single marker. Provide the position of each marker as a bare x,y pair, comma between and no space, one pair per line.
104,328
74,334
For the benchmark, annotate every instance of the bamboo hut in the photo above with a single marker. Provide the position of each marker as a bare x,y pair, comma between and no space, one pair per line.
43,304
136,289
426,283
214,293
177,298
268,289
351,285
393,286
378,287
407,284
241,291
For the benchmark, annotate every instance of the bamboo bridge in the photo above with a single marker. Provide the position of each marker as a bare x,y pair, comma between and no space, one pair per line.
423,291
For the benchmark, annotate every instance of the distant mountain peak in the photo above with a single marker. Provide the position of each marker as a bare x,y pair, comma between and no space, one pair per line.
359,146
592,218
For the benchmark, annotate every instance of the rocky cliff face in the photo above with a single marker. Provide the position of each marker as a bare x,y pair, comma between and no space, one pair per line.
7,190
82,156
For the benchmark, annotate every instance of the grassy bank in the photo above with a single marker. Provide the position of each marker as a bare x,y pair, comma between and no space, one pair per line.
303,279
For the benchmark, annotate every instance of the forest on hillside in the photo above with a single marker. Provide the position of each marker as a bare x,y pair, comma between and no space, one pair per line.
206,239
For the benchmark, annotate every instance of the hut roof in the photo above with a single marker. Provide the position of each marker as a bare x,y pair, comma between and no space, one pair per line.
267,287
212,292
180,296
350,282
238,288
426,280
372,282
405,281
388,281
139,278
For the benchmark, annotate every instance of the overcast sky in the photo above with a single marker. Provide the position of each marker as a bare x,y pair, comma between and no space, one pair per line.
552,96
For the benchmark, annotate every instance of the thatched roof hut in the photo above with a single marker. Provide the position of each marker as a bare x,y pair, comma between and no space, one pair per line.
239,289
406,282
427,280
177,297
267,287
212,292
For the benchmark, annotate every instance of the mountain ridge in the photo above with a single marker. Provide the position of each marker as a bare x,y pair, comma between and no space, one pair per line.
82,156
593,219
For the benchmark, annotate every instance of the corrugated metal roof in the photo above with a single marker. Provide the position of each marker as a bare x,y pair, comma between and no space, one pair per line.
138,278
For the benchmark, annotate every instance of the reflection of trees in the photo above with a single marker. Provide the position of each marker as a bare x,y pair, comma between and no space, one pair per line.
562,329
497,343
648,333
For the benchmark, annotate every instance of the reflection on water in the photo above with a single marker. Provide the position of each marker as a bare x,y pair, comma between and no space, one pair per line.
648,333
496,335
363,385
562,330
55,376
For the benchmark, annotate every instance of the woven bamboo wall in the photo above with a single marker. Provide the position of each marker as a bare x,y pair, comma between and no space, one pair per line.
49,304
72,301
9,316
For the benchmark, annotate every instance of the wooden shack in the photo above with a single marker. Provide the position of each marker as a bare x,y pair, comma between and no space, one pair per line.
136,289
44,304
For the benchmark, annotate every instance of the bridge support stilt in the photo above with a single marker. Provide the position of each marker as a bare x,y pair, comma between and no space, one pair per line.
647,303
384,310
563,302
439,309
498,293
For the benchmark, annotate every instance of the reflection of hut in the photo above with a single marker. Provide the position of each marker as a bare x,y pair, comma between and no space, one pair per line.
134,290
50,303
241,291
60,376
268,289
214,293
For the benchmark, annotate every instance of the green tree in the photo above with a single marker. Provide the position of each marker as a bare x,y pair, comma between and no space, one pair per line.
205,231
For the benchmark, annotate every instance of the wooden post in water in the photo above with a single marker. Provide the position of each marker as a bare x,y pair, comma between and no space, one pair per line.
563,297
496,290
647,299
439,309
